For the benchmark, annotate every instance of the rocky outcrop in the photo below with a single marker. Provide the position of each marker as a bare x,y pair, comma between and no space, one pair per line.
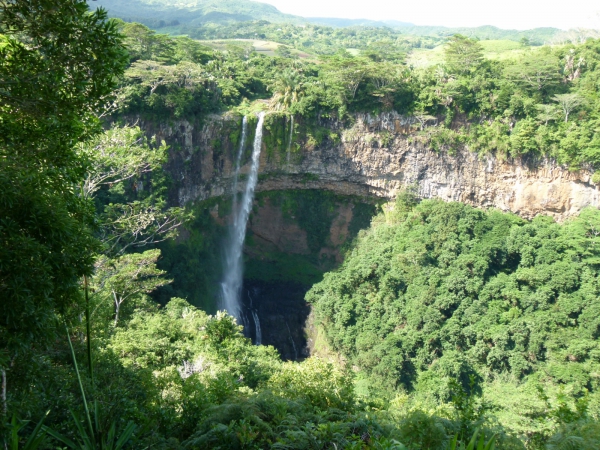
272,231
376,157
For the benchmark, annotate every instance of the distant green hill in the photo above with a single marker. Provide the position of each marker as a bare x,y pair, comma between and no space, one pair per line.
342,23
160,13
196,13
486,32
536,36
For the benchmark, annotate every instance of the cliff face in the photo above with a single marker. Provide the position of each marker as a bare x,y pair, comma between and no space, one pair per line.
297,230
376,157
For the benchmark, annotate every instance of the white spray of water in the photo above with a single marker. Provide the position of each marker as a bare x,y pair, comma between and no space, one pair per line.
257,325
232,282
257,330
289,149
238,161
292,339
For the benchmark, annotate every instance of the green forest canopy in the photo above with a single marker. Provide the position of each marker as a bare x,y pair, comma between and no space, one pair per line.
436,292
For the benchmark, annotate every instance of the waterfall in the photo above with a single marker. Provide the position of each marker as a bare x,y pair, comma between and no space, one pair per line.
257,330
289,149
232,281
238,162
257,325
292,339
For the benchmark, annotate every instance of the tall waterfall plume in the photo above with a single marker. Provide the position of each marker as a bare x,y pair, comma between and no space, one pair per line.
231,286
257,331
238,162
289,149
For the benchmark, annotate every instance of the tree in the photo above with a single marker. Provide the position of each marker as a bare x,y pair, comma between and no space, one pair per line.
423,117
144,43
572,69
539,71
58,66
385,50
287,90
462,54
522,138
546,113
283,51
582,235
444,291
120,162
568,103
347,72
384,79
154,74
117,155
139,223
124,178
127,276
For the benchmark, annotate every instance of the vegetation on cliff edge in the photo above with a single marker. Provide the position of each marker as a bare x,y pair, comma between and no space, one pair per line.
436,293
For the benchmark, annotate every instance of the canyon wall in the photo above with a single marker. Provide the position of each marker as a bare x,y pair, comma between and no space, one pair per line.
376,157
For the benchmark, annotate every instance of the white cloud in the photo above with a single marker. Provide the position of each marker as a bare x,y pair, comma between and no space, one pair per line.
518,14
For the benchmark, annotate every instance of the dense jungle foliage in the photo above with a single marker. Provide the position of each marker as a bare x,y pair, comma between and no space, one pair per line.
539,101
434,293
454,327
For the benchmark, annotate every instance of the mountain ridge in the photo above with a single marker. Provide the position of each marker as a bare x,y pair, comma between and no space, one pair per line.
162,13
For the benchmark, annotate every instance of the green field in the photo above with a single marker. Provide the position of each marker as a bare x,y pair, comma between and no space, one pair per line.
492,49
262,47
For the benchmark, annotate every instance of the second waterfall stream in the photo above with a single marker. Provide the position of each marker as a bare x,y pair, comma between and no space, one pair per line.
231,286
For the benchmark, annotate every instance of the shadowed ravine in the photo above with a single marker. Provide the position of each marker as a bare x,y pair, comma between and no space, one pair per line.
281,313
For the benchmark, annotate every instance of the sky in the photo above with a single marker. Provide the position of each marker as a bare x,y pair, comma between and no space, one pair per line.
508,14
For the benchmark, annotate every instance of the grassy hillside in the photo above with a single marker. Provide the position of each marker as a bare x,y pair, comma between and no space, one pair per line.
337,22
536,36
262,47
497,49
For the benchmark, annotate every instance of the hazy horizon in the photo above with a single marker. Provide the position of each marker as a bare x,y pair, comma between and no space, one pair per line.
509,14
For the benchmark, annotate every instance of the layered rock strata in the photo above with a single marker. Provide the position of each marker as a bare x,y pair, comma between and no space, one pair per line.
378,156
